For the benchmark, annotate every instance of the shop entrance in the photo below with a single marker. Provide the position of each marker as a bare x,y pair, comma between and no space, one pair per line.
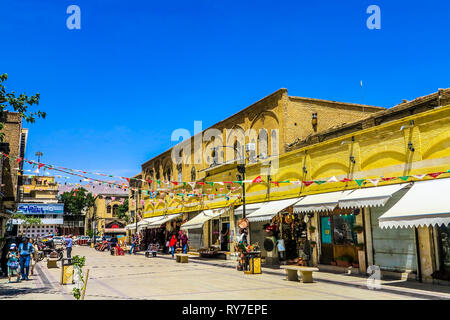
225,236
338,238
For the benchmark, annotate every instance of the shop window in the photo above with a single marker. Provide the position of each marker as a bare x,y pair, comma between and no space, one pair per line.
343,229
444,247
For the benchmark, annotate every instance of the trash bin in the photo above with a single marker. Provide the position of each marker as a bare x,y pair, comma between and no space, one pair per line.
254,262
66,271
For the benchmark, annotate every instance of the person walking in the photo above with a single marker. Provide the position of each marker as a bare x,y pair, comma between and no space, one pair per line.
133,245
184,242
172,244
25,252
13,263
69,243
35,255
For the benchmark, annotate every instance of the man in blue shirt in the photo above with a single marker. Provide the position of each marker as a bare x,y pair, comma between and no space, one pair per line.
69,243
25,251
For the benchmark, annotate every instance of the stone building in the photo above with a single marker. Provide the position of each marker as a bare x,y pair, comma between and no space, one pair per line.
14,143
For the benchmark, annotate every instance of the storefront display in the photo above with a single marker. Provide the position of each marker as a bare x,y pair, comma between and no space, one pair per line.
338,237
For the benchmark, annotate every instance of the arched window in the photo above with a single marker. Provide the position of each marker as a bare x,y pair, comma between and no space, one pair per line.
274,143
193,174
263,143
180,172
115,210
108,209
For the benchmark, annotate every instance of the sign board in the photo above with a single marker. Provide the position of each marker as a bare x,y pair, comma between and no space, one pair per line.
41,208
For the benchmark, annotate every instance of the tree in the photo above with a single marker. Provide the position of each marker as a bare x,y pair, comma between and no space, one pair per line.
123,210
19,103
77,201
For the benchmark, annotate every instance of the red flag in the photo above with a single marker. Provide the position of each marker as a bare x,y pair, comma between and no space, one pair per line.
149,181
346,180
175,183
201,183
276,183
257,179
308,183
40,165
18,160
387,179
435,174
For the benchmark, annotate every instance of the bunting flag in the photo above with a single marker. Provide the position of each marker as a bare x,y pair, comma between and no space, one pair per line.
404,178
360,181
332,179
387,179
374,181
319,182
346,180
435,174
308,183
419,176
257,179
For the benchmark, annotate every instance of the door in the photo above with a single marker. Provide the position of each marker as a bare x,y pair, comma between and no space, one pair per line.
393,249
326,240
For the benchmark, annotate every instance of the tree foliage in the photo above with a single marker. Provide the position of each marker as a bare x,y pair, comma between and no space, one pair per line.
123,210
19,103
77,201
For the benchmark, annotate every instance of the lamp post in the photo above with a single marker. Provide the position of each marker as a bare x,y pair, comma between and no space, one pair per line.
39,154
241,170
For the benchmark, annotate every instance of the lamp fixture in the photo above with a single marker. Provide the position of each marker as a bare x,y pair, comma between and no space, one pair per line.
411,147
352,159
347,141
304,170
410,125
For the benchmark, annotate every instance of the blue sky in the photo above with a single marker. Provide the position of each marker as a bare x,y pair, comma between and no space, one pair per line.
137,70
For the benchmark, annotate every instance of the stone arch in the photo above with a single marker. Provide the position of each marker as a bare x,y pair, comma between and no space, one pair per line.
371,160
334,167
437,145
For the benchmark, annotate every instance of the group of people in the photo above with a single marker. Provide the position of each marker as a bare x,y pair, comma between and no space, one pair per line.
179,240
20,258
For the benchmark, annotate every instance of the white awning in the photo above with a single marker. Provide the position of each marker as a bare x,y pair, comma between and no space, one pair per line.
425,204
164,219
143,223
249,208
370,197
270,209
199,220
320,202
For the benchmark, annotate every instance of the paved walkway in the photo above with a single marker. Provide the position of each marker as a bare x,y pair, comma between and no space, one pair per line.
137,277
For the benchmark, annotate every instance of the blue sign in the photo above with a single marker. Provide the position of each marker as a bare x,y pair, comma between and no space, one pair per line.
41,208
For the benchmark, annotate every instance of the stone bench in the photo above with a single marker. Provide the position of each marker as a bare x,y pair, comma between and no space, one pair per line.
182,258
51,263
292,273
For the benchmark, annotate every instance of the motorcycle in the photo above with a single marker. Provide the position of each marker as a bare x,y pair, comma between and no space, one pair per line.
46,248
102,246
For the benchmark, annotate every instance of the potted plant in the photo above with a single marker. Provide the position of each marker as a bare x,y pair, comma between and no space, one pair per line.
312,229
344,261
358,228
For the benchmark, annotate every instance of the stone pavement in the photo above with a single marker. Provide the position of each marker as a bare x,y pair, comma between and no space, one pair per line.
137,277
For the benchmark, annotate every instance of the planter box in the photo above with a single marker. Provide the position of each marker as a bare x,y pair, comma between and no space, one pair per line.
344,264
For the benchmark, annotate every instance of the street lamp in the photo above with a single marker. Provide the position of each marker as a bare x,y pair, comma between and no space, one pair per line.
241,169
39,154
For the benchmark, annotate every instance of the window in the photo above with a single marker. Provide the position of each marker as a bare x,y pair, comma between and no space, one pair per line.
444,247
193,174
108,209
343,229
263,140
115,210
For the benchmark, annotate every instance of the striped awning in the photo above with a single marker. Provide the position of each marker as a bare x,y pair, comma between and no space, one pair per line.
270,209
159,222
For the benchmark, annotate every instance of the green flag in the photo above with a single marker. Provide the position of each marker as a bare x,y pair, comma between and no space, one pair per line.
359,181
